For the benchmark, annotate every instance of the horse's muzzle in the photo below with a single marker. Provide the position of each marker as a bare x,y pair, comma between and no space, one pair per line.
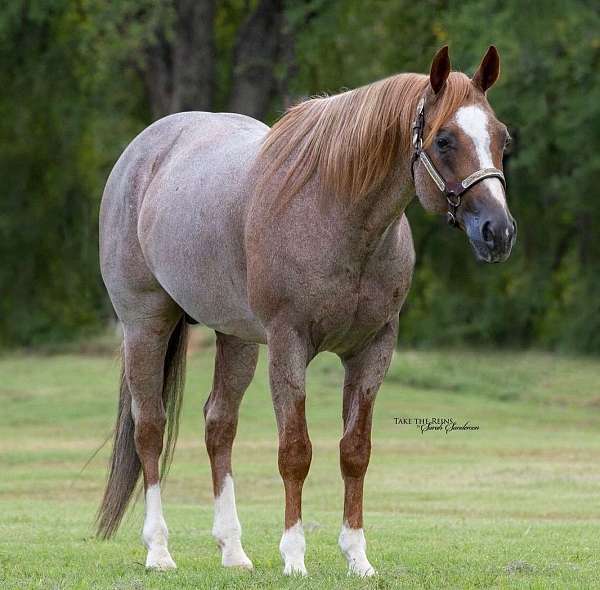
492,237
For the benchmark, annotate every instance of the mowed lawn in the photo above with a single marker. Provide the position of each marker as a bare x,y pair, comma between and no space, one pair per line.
514,504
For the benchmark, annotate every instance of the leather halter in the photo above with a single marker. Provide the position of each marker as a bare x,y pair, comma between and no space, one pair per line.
453,191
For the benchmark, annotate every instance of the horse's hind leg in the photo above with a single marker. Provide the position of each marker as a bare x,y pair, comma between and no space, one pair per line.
234,368
364,374
146,345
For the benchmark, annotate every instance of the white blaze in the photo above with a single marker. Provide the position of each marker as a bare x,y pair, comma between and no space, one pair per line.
155,534
292,548
354,547
473,120
227,529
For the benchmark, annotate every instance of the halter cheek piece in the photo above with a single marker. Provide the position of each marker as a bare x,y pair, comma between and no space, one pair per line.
453,191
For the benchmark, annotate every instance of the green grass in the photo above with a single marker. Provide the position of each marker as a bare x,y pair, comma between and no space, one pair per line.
514,504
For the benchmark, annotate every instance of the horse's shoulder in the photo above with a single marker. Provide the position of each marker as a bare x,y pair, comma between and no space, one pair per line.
397,243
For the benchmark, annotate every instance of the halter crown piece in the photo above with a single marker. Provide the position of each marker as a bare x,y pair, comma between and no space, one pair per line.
453,191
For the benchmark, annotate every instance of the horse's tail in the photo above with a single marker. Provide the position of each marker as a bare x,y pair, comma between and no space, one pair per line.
125,466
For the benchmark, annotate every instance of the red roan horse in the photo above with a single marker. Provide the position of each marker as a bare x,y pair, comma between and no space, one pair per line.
294,237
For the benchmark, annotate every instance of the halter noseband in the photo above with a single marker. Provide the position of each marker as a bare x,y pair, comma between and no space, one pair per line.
453,191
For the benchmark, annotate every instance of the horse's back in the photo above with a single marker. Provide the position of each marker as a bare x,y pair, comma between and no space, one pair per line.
173,214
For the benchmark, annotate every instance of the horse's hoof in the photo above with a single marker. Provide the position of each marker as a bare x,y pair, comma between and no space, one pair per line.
295,569
246,565
233,555
363,570
241,561
160,560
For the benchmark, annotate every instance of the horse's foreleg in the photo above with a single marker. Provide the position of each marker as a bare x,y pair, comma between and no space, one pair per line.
234,368
364,373
287,367
145,346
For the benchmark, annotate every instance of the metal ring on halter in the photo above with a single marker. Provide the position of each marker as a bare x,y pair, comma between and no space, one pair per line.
452,208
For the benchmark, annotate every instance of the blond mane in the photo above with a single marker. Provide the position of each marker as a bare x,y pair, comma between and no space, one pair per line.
351,141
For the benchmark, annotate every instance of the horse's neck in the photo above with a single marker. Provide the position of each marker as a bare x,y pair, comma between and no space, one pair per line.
368,220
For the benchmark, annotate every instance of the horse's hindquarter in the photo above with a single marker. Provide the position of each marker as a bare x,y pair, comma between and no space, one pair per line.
191,215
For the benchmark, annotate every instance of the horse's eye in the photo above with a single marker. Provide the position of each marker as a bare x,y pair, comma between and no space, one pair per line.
507,141
442,143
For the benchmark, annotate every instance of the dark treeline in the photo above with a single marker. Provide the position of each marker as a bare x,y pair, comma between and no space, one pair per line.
80,78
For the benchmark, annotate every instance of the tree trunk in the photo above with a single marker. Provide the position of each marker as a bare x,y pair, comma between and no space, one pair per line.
180,71
256,54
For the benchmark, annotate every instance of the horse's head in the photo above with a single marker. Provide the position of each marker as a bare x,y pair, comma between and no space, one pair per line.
458,147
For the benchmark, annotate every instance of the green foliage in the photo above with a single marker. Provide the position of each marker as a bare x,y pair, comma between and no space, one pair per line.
70,102
73,96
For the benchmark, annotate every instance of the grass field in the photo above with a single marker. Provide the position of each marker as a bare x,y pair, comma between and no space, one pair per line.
514,504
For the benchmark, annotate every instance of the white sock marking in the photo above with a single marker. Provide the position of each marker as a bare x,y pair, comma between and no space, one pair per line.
292,548
155,534
473,120
227,529
354,547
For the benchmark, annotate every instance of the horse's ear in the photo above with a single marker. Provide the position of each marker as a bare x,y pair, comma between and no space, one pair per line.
488,71
440,68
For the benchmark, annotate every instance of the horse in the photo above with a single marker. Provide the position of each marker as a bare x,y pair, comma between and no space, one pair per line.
295,237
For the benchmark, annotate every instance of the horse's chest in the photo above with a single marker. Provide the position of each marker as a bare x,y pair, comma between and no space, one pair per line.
334,290
360,307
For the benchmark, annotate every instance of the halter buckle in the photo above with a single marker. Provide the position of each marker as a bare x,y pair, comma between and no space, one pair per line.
419,123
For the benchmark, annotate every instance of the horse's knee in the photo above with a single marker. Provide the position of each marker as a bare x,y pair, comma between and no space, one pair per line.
355,452
295,454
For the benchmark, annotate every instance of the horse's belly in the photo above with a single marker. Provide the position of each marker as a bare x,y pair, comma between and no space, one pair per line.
213,292
208,284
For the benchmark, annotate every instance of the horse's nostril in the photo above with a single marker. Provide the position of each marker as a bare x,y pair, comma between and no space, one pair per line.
514,227
487,233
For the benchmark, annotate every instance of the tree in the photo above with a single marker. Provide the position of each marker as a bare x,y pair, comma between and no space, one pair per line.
80,79
181,70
